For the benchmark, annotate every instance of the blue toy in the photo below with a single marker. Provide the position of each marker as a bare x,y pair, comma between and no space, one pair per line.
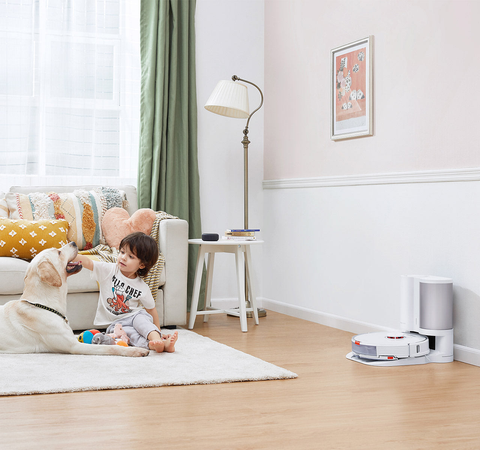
87,336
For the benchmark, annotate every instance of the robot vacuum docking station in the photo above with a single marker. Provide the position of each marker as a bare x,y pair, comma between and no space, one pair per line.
426,327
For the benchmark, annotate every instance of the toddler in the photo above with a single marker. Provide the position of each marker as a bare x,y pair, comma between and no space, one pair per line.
124,295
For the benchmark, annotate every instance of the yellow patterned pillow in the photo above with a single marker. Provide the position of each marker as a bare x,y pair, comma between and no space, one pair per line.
26,238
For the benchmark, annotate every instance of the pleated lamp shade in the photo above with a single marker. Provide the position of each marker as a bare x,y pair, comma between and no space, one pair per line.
230,99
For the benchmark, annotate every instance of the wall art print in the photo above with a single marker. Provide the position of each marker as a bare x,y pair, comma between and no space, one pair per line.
351,90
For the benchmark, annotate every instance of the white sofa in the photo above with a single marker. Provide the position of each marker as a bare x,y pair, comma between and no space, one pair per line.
82,296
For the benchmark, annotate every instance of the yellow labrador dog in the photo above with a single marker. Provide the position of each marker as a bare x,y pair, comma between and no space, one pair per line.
36,323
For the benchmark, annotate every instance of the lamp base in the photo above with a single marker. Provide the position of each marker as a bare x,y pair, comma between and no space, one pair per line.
260,311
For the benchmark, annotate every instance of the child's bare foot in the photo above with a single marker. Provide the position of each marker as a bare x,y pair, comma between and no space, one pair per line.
169,340
158,346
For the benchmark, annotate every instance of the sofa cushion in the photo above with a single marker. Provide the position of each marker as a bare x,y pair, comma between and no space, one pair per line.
83,209
26,238
12,273
82,282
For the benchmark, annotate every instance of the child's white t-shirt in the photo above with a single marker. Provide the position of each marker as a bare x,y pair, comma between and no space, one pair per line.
120,296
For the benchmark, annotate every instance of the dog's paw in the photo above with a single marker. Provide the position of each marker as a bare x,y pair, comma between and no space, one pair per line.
140,351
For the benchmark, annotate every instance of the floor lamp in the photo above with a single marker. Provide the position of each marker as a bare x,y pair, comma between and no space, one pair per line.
230,99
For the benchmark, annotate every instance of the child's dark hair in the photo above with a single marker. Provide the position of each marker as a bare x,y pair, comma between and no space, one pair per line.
144,248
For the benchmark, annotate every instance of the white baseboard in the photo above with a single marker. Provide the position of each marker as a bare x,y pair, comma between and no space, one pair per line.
463,354
466,355
329,320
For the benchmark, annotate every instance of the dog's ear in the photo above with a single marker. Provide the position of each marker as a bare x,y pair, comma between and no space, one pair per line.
49,274
26,273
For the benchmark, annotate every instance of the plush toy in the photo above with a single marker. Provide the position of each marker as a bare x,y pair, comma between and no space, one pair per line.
87,336
118,337
103,339
117,223
119,334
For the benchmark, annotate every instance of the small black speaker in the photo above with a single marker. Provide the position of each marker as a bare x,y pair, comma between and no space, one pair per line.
209,237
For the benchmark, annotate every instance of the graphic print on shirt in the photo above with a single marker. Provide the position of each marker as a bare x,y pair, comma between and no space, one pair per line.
121,294
118,304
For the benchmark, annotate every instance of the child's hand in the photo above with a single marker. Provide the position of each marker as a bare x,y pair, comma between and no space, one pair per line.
86,261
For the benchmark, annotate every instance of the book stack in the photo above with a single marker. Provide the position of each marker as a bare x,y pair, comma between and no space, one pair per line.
241,234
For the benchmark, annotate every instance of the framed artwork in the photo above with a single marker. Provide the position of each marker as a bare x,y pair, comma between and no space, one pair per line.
352,89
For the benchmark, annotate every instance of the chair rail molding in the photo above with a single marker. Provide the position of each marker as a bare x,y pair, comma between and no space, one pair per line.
428,176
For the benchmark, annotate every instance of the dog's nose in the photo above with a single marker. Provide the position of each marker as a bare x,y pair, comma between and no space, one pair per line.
73,244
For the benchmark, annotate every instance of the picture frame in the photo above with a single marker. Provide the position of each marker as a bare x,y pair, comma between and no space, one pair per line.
351,70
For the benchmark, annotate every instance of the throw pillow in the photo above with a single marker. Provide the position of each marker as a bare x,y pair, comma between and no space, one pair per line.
25,238
82,209
117,224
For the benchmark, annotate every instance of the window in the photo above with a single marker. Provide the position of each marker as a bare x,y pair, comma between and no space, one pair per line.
69,91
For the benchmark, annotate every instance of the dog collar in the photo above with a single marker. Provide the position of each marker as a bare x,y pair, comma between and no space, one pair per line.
39,305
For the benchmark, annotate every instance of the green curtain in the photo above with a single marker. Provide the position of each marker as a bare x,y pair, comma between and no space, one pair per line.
168,178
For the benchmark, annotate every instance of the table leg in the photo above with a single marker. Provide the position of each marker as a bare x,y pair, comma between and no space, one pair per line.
196,287
208,284
253,298
241,288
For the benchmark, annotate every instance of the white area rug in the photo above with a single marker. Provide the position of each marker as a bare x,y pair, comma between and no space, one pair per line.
197,360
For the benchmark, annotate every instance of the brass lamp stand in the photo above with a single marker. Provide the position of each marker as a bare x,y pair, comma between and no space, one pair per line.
231,100
245,142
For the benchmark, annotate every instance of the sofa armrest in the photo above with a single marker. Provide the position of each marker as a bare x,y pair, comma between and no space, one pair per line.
173,244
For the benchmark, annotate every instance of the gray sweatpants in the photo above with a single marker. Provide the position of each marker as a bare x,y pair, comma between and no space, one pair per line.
137,327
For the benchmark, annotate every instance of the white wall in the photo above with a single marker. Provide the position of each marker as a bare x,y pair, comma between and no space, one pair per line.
425,116
341,250
229,36
344,220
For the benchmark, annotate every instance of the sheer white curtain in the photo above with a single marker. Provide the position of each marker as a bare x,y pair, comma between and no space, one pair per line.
69,92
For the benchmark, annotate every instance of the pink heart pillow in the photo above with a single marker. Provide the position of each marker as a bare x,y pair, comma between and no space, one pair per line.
117,224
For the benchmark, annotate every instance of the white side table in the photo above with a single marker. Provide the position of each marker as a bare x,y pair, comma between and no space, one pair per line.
224,246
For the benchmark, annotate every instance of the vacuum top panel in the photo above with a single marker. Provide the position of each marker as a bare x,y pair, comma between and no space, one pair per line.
394,339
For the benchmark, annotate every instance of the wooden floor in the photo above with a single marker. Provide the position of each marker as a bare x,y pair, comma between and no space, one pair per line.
333,404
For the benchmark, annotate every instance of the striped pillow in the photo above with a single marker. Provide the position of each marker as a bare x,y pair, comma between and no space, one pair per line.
3,205
82,209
